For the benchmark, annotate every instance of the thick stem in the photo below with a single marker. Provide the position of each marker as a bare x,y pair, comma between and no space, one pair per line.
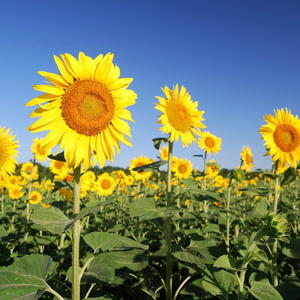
76,236
275,206
228,220
168,228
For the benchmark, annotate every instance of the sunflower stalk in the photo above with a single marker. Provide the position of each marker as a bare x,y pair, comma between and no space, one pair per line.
168,228
275,245
76,236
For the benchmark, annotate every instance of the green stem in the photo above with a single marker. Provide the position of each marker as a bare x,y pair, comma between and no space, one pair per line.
76,236
204,172
228,220
168,228
275,206
50,290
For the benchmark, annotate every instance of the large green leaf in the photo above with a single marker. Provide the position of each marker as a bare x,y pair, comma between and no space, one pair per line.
264,291
135,260
109,241
16,286
52,218
226,262
34,264
158,141
144,208
219,282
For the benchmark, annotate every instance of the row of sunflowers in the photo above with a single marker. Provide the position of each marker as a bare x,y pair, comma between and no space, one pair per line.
144,233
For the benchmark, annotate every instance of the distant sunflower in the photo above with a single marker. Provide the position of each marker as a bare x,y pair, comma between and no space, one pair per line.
247,158
35,197
26,170
282,137
15,193
8,152
180,116
209,142
164,152
57,166
182,168
40,153
138,162
84,107
105,184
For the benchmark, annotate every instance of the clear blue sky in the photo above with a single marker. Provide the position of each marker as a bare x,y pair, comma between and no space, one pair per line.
239,59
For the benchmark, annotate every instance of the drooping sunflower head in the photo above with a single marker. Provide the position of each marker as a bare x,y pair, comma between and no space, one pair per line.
282,137
179,115
182,168
84,109
247,158
8,152
209,142
40,153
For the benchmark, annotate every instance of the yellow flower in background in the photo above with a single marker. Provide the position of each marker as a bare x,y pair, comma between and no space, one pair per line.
247,158
40,153
26,170
182,168
164,152
35,197
46,205
209,142
119,176
15,193
105,184
179,115
139,161
213,169
49,185
8,152
84,107
12,180
57,166
282,137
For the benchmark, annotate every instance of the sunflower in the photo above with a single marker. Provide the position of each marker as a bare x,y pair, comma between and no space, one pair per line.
40,153
84,109
182,168
35,197
8,152
12,180
105,184
180,116
247,158
138,162
57,166
209,142
164,152
26,170
282,137
15,193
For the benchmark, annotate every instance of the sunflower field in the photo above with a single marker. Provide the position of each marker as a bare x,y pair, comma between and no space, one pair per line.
159,229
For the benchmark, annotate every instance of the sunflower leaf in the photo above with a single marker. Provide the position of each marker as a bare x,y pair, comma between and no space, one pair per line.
60,156
156,165
288,176
158,141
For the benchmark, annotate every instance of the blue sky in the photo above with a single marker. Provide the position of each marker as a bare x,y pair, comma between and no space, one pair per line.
238,59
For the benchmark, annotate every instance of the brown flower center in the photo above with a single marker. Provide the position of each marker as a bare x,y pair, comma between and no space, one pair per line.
105,184
210,142
179,116
286,137
87,107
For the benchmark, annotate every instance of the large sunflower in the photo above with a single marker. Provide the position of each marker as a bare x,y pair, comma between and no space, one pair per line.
209,142
282,137
180,116
84,109
138,162
247,158
40,153
8,152
182,168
